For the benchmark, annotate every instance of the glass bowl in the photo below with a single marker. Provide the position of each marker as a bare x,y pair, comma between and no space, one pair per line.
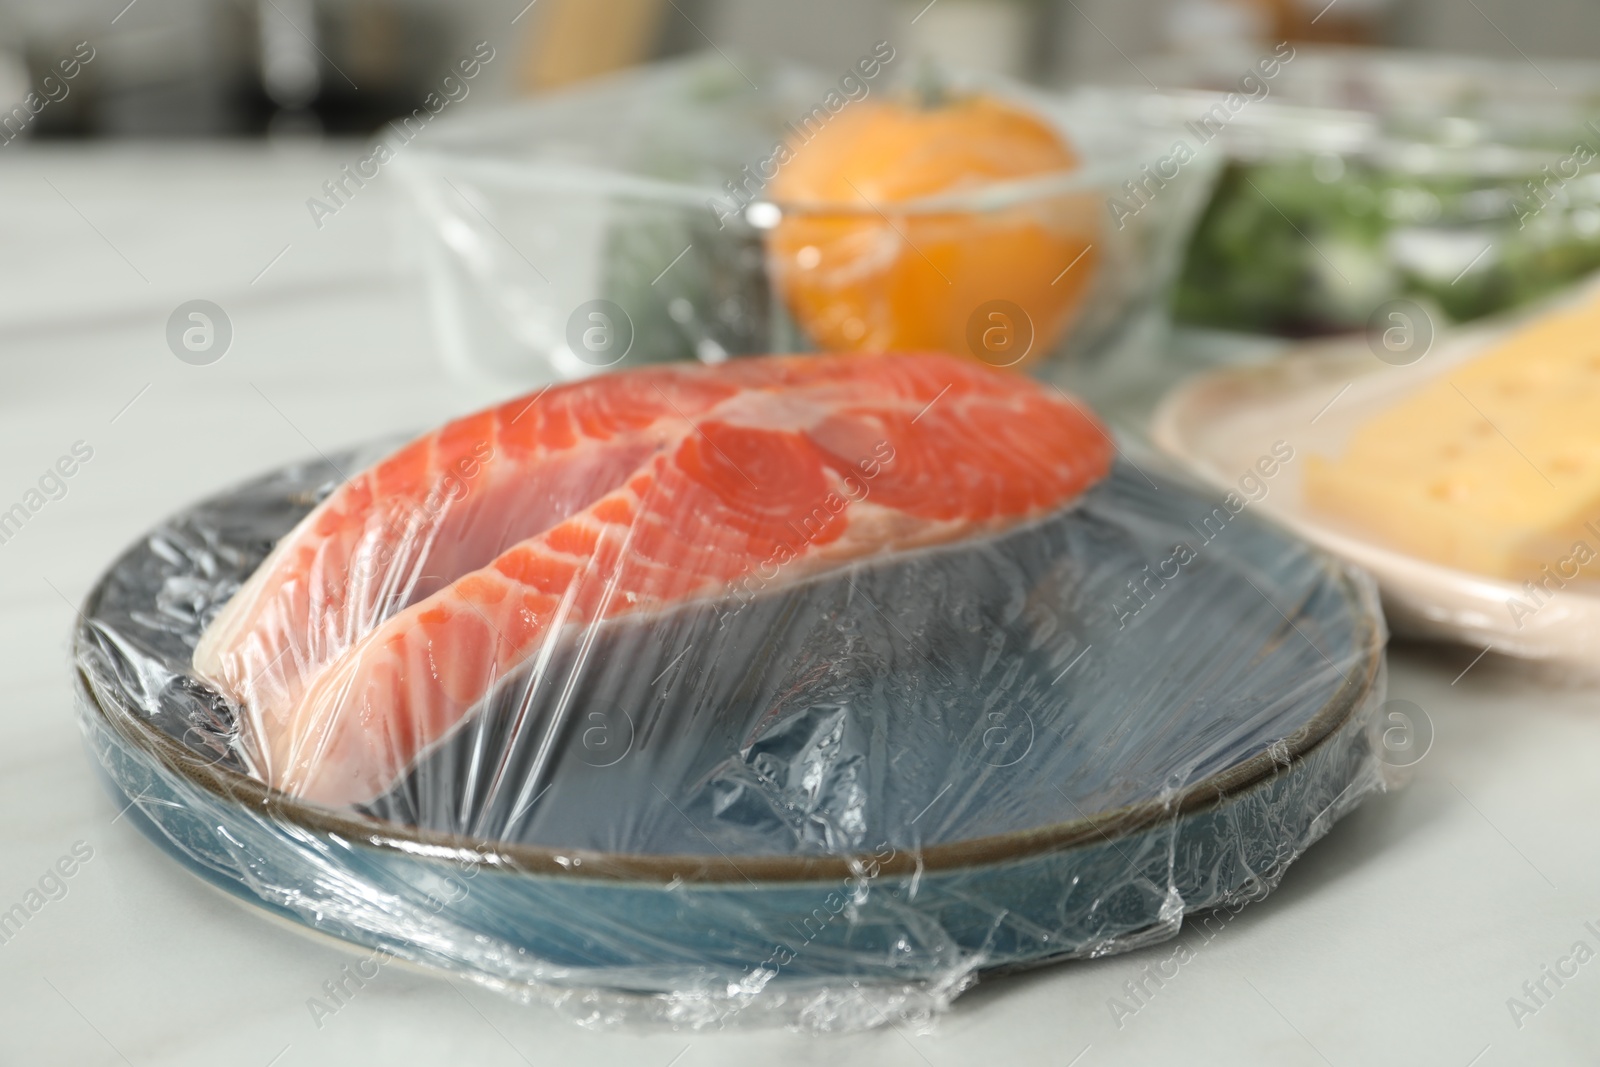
628,222
1370,176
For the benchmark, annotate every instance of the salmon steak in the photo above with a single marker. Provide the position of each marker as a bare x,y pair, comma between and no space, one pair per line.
400,606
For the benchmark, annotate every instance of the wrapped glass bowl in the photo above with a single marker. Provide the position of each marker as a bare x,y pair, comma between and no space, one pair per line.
1468,185
630,221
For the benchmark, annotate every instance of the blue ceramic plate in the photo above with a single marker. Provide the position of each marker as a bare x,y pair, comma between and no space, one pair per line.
1160,748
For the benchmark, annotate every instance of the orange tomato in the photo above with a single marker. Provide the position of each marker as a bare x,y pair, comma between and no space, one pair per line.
861,272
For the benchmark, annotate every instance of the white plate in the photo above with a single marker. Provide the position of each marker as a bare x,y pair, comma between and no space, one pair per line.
1220,423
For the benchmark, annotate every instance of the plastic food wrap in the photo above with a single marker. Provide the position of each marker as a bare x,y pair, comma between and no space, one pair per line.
795,690
638,218
1405,166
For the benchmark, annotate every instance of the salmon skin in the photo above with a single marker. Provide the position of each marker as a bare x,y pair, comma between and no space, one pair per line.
394,610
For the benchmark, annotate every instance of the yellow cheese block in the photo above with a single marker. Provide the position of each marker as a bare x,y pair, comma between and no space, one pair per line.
1494,467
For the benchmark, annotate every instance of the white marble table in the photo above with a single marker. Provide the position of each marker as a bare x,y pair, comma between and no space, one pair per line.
1397,940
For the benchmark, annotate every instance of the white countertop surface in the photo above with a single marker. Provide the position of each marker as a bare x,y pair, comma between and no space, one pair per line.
1396,940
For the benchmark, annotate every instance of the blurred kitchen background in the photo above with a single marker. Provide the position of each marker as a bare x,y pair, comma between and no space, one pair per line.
232,68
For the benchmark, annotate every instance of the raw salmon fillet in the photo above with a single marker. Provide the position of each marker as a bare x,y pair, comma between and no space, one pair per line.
379,624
